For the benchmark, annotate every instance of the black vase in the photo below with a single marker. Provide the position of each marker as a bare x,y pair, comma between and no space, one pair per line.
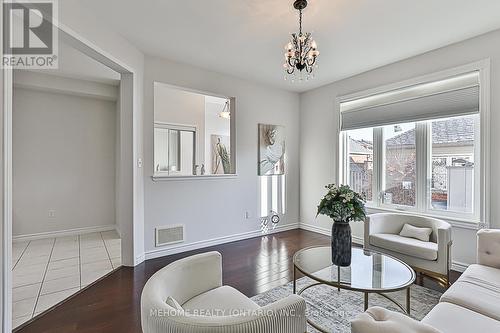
341,244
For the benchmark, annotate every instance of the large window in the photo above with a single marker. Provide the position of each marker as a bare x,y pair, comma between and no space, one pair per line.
429,162
401,152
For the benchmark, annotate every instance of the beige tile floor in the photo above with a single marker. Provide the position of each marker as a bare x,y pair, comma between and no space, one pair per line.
46,271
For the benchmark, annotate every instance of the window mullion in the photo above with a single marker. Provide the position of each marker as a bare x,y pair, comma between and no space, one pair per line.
378,165
343,165
422,141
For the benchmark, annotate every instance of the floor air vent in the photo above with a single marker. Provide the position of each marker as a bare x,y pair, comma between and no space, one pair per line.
169,235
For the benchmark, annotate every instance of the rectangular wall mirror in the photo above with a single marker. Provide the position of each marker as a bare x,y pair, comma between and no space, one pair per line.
194,133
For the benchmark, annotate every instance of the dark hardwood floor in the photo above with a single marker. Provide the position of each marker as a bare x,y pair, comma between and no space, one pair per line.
113,304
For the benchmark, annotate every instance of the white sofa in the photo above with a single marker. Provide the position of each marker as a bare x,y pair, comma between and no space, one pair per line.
205,305
431,258
471,304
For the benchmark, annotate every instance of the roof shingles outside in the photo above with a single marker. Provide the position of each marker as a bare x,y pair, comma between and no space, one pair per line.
360,147
444,132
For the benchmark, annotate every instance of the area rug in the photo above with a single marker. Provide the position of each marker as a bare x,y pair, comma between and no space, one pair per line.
334,310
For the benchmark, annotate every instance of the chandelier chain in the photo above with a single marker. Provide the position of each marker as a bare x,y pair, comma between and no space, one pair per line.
300,22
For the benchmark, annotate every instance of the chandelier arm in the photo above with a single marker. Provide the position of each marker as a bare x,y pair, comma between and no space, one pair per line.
290,71
290,62
311,61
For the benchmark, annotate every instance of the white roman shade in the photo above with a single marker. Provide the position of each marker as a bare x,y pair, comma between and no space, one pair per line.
455,96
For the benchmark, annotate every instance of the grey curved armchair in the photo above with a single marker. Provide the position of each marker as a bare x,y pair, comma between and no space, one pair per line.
431,258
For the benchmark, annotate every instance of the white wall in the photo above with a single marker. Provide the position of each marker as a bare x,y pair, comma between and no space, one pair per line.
216,208
318,165
63,160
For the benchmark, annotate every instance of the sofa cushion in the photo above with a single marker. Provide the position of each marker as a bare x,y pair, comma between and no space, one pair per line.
380,320
488,247
222,301
410,231
409,246
478,289
451,318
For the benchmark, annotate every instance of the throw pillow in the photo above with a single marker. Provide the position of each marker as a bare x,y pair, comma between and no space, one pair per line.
411,231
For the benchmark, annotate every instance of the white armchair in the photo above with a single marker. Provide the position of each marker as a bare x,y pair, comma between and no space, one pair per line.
209,307
430,258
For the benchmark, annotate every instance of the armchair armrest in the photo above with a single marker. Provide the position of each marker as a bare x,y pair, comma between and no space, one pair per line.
488,247
444,240
287,315
378,320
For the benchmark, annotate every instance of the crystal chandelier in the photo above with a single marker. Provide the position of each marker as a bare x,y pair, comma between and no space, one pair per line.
301,52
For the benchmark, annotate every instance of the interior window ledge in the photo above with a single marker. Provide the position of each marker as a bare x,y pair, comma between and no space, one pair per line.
455,222
157,178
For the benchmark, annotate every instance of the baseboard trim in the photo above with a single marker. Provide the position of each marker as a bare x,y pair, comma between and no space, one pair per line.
315,228
459,266
215,241
139,259
326,232
64,233
455,265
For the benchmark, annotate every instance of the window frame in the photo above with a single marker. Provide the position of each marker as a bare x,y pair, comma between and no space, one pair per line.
480,216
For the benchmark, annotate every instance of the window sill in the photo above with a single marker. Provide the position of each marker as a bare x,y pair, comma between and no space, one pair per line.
157,178
455,222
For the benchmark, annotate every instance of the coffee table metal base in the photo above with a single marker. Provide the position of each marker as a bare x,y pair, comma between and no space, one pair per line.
339,285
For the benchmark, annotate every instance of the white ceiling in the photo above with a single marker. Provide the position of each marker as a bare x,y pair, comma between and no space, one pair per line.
245,38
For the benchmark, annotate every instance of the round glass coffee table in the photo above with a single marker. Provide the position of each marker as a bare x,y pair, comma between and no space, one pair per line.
369,272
